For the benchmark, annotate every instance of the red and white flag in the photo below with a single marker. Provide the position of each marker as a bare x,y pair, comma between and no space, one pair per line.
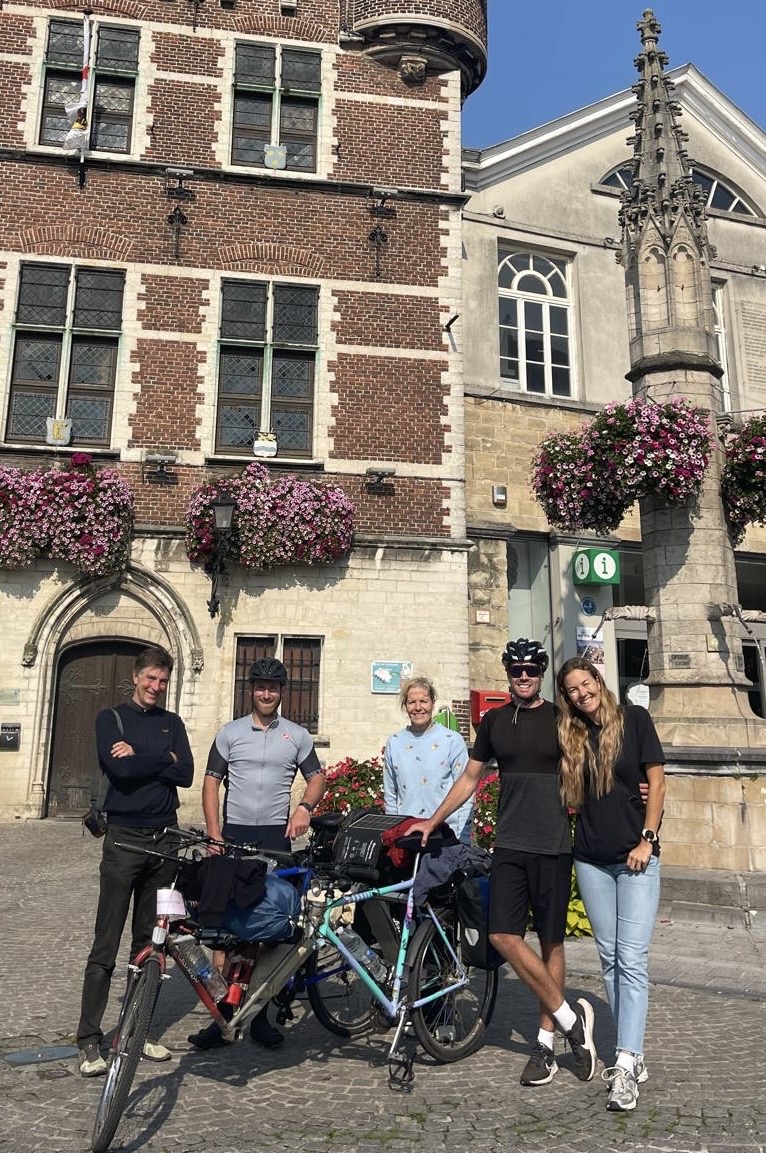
76,139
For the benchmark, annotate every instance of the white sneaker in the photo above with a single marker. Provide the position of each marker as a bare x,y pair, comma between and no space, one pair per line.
623,1090
153,1051
92,1064
641,1071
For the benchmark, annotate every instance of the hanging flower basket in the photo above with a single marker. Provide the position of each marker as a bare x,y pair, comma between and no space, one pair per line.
589,479
79,514
286,522
743,483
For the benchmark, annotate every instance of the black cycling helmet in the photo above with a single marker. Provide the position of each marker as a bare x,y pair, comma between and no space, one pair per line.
268,669
525,652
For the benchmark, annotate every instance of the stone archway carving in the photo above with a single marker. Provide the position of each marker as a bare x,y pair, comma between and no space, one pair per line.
134,602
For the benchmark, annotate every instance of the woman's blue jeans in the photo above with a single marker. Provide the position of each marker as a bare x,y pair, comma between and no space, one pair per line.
622,905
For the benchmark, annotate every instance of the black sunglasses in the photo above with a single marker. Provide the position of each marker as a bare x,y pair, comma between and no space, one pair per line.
519,670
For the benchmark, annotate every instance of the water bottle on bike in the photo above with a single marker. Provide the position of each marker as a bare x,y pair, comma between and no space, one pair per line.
196,960
363,953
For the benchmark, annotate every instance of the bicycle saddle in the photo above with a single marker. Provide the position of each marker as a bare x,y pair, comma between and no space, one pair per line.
411,842
329,822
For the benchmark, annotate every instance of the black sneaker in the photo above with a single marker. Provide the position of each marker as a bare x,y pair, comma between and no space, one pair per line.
209,1038
580,1038
541,1066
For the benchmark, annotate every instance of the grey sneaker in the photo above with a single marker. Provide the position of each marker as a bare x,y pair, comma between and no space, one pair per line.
580,1038
623,1090
92,1064
154,1051
642,1073
541,1066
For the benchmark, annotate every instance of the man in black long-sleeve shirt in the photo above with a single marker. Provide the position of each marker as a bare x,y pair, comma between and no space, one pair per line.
145,754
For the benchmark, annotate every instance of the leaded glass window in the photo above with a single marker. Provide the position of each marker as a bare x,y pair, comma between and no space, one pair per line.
113,74
64,362
266,364
276,101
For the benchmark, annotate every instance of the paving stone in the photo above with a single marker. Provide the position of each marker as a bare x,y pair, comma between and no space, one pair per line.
317,1093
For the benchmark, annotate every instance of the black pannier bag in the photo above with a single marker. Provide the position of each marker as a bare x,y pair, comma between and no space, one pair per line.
473,915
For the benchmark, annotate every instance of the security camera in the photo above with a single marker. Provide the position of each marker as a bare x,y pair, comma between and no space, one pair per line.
385,193
181,173
380,474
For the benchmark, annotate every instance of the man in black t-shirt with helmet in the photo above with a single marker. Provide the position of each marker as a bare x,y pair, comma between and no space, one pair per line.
532,860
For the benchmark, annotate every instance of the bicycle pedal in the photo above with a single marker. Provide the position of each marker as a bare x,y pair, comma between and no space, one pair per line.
400,1073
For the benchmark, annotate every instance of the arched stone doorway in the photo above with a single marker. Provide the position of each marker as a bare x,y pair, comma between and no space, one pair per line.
90,677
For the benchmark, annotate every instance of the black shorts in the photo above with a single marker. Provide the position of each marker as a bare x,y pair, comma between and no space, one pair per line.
524,881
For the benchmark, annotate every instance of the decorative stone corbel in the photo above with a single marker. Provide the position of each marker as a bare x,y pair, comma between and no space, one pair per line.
30,655
197,661
412,69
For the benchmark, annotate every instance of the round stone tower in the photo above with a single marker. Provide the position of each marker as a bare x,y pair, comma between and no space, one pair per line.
418,36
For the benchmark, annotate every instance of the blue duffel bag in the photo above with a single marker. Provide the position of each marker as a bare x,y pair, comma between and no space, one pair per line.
273,918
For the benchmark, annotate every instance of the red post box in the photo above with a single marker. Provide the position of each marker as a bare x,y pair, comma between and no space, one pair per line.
482,700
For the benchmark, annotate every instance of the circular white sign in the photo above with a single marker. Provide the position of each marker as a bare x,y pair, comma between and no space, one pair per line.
582,565
604,566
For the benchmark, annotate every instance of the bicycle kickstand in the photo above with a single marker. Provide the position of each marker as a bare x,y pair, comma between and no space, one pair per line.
401,1056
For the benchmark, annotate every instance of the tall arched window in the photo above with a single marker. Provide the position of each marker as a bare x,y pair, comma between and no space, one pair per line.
535,329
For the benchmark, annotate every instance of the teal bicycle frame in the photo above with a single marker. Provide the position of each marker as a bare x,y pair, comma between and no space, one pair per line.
396,1006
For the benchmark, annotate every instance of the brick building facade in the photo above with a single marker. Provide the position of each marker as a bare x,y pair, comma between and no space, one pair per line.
262,235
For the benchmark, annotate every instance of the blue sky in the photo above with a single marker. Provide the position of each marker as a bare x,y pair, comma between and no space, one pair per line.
549,57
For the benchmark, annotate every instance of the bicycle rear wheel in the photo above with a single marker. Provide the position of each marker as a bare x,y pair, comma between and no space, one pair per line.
341,1001
126,1052
453,1026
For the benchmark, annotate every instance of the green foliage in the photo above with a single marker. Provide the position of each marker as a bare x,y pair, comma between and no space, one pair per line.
578,924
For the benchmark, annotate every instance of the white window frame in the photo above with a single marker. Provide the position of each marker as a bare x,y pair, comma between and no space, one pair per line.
559,271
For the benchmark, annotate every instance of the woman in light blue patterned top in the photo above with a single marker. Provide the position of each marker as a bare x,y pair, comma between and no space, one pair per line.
423,761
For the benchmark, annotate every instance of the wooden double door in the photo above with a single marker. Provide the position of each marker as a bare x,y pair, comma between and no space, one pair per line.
91,677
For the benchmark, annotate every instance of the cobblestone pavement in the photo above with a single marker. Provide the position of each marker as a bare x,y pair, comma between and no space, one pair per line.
704,1051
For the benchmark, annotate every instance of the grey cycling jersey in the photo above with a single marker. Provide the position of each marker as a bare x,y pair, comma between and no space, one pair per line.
261,765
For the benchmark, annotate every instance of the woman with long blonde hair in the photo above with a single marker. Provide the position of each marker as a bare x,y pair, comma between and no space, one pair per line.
608,752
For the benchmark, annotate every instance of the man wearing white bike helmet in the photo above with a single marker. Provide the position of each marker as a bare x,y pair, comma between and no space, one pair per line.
258,757
532,860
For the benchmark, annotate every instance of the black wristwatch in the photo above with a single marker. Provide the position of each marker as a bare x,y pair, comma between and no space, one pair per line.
649,835
305,805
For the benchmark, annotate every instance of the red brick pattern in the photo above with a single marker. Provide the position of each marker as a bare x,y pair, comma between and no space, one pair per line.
183,118
469,14
388,409
358,74
173,304
263,225
15,79
412,156
16,32
187,54
167,380
386,321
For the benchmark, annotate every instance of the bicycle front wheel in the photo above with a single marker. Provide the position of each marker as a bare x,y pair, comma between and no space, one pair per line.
126,1052
452,1026
341,1001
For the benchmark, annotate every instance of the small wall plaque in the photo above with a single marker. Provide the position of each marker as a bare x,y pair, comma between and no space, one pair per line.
680,661
10,737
